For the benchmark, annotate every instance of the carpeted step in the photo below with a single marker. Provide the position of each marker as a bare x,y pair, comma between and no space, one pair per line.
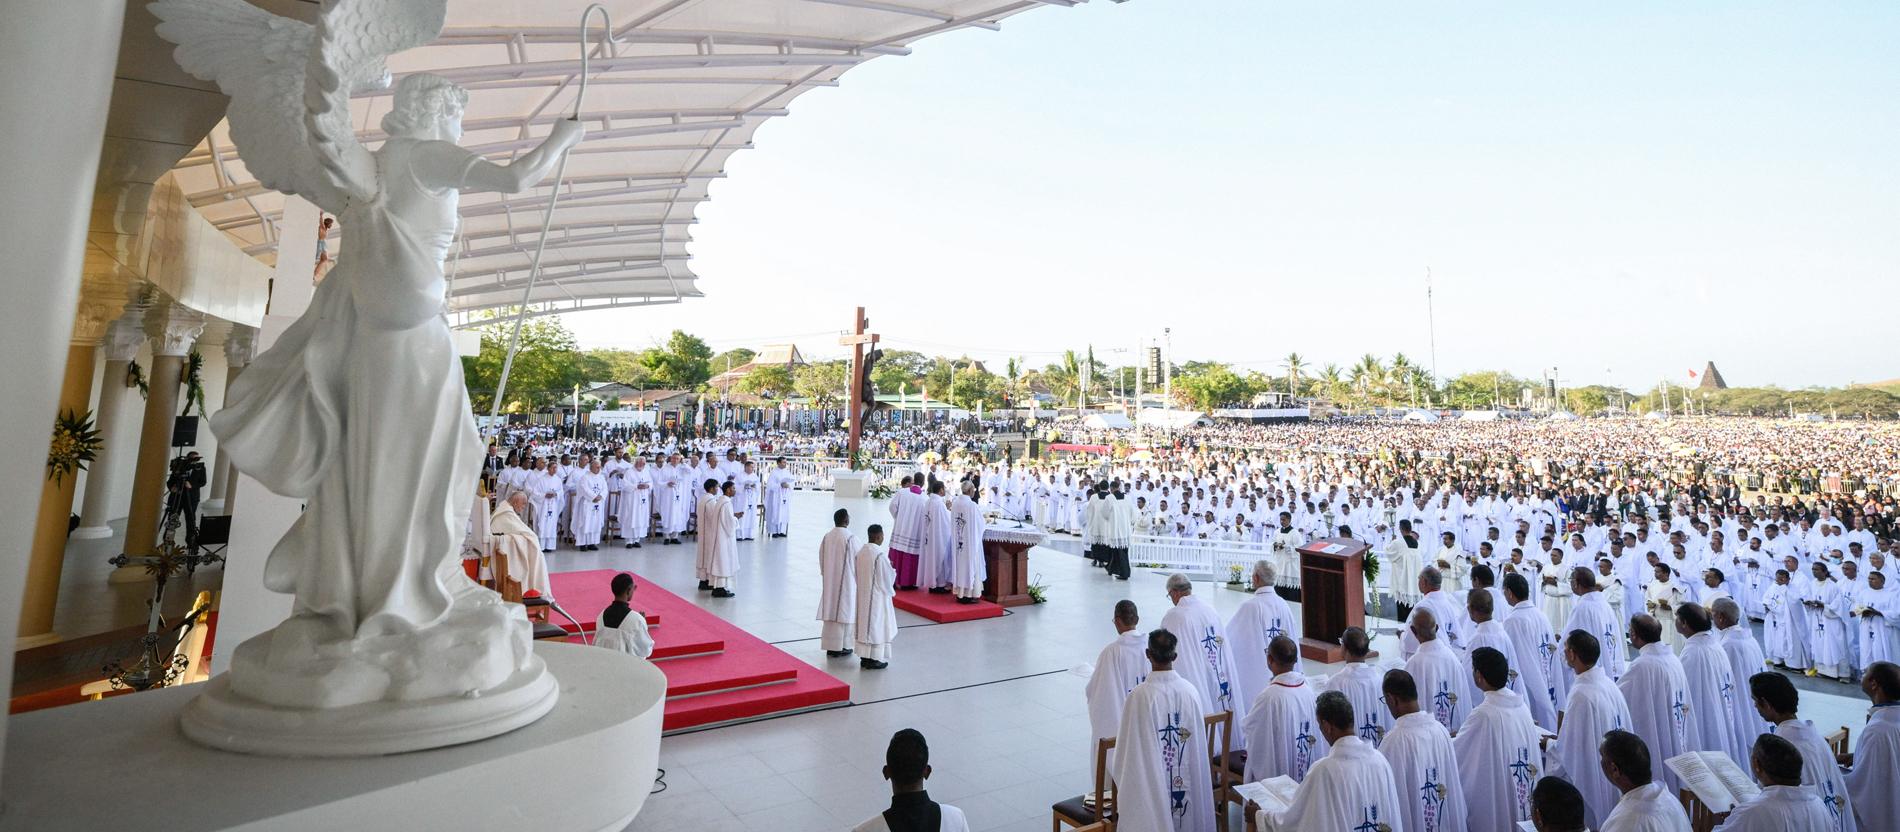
808,691
944,608
716,674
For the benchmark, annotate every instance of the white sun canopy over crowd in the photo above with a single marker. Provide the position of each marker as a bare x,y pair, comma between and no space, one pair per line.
681,86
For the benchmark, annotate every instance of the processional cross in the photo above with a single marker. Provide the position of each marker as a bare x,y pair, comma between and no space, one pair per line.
862,398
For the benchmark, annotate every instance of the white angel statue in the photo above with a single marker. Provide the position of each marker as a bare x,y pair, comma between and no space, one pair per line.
360,408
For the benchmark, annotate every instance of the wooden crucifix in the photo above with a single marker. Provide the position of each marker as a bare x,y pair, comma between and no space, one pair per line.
860,380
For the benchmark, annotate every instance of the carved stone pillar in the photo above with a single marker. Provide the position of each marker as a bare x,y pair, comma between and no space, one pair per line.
121,345
48,553
173,329
239,346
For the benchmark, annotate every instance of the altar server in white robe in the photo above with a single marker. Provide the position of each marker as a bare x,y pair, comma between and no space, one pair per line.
1162,771
1499,748
1779,702
1591,613
1259,620
1350,788
1744,660
1360,681
778,499
517,545
1207,657
680,497
837,571
590,506
1784,805
1445,612
1658,695
876,624
722,563
935,562
1282,735
1121,666
1784,631
703,543
967,569
1438,671
1713,689
550,496
1534,648
1595,707
907,766
1424,766
1646,805
1876,757
622,628
636,502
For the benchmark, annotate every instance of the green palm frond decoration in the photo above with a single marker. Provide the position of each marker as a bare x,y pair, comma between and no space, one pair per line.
135,377
194,382
1370,564
75,443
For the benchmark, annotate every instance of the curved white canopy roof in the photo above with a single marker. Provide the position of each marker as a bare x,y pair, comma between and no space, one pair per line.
683,85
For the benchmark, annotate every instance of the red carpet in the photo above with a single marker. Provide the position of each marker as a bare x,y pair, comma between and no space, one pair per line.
715,672
944,608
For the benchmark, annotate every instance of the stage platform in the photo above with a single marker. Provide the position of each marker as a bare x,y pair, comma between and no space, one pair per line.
716,673
943,608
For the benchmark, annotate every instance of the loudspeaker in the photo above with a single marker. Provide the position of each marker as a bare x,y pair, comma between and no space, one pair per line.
184,431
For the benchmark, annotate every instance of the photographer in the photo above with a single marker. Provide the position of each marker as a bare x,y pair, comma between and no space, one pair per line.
183,484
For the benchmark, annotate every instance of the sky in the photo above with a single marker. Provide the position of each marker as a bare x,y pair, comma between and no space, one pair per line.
1622,191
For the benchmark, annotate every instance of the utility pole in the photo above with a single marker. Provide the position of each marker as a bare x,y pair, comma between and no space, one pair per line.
1167,367
1431,322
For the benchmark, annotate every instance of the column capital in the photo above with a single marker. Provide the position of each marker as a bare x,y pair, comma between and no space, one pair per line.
92,319
123,337
173,329
240,346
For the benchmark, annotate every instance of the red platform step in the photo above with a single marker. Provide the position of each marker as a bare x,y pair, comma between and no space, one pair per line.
943,608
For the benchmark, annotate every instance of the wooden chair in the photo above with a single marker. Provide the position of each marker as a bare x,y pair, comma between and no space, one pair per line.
1080,815
1220,743
1837,742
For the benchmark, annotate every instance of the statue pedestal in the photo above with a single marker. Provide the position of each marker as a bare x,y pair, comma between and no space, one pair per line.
851,484
587,765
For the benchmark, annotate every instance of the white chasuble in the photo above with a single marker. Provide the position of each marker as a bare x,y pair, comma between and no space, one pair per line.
1499,760
1425,772
1162,777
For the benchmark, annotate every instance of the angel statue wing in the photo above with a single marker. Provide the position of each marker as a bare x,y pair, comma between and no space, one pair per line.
290,82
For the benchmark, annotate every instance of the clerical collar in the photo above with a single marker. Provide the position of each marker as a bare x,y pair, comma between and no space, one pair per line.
1878,705
913,812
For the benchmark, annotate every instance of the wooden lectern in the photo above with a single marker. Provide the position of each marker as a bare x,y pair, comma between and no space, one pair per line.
1006,568
1332,595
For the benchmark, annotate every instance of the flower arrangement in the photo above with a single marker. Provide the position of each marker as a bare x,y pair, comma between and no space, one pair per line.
75,443
1038,591
1233,573
1370,566
881,490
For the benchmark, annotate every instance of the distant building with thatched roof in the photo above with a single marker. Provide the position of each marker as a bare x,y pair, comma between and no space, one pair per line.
1711,379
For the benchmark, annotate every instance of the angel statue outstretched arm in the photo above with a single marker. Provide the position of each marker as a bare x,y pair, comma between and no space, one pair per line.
359,409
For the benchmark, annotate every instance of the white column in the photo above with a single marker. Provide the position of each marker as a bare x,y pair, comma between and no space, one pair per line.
238,348
58,59
246,608
121,345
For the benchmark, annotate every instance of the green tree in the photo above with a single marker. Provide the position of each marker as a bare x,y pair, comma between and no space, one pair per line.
889,378
771,381
1294,366
823,383
546,367
1213,386
971,386
1594,399
939,377
683,364
1481,390
730,359
614,365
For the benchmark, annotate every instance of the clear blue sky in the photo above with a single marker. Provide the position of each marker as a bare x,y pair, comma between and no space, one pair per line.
1620,190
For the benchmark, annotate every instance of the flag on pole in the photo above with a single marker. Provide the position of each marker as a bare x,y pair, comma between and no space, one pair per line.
1692,374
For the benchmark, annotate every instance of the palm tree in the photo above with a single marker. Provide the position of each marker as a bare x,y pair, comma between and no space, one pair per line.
1367,374
1072,365
1402,375
1293,364
1331,380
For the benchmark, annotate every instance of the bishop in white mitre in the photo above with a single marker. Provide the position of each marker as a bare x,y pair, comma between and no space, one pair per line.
1121,666
1657,691
1207,661
1594,708
1438,671
1261,619
1162,773
1876,758
1351,788
1712,687
1784,805
1499,749
1424,766
837,574
1361,681
1282,735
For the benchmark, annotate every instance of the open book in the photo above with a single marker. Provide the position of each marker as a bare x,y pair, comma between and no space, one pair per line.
1274,794
1714,778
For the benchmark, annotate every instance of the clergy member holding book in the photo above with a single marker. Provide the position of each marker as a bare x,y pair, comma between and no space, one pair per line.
1350,788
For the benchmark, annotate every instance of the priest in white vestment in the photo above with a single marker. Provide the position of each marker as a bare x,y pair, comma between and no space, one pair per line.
620,627
1207,659
1744,660
876,621
1282,735
1499,749
1871,785
1361,681
1713,691
1438,671
550,497
937,559
1162,768
1486,632
1424,766
1591,613
722,563
1658,695
1535,647
1784,805
1645,804
1446,613
778,499
967,569
1352,787
1594,708
518,547
837,574
907,766
1876,620
907,531
636,502
747,486
590,508
1785,622
1259,620
1120,666
1778,701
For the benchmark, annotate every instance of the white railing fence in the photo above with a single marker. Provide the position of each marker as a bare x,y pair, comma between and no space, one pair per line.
1183,554
814,472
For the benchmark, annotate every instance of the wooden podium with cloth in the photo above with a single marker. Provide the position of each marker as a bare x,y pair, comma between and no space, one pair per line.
1006,564
1332,595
